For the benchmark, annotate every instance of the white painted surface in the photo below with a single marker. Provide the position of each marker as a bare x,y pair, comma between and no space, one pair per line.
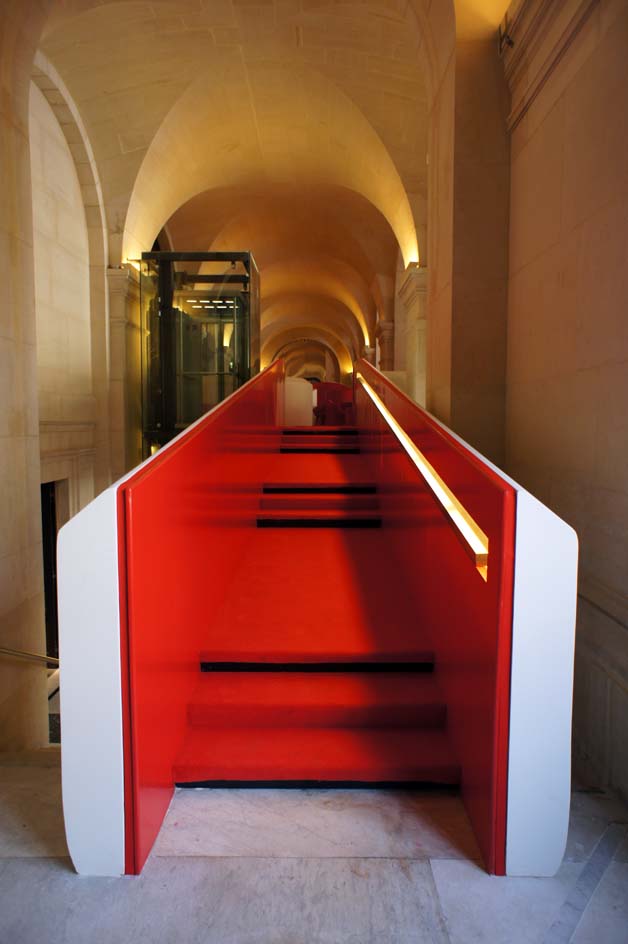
91,701
541,686
298,402
541,683
91,695
541,689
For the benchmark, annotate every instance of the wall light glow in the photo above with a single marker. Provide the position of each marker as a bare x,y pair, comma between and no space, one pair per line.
473,537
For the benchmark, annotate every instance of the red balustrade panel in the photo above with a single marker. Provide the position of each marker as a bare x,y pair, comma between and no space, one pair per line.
183,518
468,619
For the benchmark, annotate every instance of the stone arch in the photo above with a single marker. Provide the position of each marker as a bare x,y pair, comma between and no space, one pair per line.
49,82
331,141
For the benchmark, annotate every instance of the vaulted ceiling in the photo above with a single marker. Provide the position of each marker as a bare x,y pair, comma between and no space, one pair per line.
294,128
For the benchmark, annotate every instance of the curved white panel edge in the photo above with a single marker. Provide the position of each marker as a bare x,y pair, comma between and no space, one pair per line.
541,683
92,768
541,690
92,749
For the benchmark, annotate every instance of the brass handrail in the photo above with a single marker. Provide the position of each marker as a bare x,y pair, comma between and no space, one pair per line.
471,534
28,656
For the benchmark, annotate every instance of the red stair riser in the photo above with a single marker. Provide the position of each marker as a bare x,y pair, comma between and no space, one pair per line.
362,755
329,716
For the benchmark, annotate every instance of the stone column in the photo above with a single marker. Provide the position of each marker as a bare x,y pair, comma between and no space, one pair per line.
386,337
23,701
125,388
413,296
369,354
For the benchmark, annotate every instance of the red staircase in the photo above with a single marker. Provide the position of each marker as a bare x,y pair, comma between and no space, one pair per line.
314,669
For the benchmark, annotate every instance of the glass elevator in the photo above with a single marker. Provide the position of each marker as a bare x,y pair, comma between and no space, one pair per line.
200,324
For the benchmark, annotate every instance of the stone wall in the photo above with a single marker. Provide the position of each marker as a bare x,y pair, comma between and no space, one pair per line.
567,370
23,708
62,303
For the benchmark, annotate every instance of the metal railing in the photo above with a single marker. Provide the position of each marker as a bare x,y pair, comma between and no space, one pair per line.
49,661
473,537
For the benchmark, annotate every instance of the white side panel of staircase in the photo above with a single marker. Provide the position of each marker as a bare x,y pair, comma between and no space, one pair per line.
541,683
91,702
298,406
541,690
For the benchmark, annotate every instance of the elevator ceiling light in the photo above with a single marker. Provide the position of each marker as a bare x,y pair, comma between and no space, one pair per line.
473,537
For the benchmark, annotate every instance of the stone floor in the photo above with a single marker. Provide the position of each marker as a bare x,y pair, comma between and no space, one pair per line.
304,867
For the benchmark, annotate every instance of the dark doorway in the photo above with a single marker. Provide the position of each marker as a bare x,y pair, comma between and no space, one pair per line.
49,534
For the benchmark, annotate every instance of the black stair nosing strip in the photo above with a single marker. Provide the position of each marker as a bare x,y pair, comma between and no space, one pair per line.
321,451
413,785
312,522
320,431
425,666
319,489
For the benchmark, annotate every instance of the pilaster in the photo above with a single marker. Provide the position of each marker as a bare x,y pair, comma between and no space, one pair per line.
413,295
125,394
385,334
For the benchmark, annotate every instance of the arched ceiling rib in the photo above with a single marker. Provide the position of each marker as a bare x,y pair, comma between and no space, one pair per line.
286,334
312,314
291,128
302,355
346,68
245,141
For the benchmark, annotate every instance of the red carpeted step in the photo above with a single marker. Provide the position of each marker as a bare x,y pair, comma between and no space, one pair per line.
322,468
363,755
320,431
316,595
307,448
319,501
317,699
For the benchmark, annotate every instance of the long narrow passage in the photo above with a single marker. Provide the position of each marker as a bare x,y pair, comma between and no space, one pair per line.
315,669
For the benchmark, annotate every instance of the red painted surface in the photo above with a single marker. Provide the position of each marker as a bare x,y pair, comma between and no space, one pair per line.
366,755
334,404
317,700
317,596
468,620
184,517
203,580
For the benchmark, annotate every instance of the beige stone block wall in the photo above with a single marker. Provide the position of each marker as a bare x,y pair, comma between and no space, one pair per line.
62,304
23,707
62,295
440,244
480,247
567,362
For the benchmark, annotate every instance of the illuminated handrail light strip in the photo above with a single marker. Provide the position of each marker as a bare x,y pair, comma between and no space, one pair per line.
474,539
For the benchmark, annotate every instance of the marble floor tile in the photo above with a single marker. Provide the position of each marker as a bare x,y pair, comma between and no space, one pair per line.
599,804
317,823
591,812
605,920
484,909
622,853
223,901
31,817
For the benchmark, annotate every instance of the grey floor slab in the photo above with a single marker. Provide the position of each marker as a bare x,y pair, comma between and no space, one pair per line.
605,920
591,812
317,823
223,901
31,818
484,909
292,866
